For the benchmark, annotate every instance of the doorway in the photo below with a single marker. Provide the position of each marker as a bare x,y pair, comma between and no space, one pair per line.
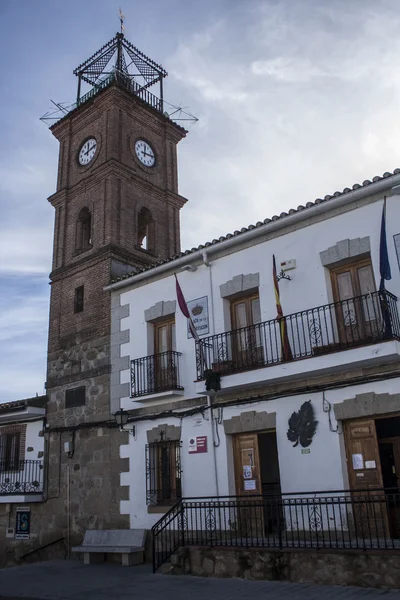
373,459
388,435
257,472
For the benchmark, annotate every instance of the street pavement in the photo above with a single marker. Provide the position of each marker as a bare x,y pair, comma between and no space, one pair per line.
71,580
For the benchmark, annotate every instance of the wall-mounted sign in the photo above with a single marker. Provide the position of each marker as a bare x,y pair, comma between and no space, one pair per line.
250,485
23,523
358,461
247,472
197,444
199,312
370,464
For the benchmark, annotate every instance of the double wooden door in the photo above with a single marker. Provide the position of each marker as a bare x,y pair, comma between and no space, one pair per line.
165,367
358,310
247,346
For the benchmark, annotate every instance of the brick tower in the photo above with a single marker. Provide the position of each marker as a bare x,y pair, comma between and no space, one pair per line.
116,208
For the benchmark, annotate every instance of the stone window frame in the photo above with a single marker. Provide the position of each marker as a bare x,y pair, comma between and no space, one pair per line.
344,251
250,421
160,311
367,405
236,287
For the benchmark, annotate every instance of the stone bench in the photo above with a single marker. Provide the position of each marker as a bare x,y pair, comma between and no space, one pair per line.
127,542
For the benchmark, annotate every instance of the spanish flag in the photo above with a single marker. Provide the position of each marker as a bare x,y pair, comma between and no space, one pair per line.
286,351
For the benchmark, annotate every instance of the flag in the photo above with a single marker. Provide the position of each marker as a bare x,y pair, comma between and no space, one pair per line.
385,272
286,351
185,311
384,265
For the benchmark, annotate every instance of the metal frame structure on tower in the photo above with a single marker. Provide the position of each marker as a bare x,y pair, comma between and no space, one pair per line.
120,59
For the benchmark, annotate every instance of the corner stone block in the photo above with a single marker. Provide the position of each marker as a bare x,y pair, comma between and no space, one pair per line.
121,337
250,281
344,248
154,312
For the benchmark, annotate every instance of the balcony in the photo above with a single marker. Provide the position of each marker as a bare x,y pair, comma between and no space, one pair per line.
156,375
356,322
21,477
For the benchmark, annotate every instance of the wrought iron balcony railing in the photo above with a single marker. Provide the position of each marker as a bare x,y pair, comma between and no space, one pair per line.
21,477
156,373
325,329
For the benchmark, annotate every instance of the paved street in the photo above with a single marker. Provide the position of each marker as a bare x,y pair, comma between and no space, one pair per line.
70,580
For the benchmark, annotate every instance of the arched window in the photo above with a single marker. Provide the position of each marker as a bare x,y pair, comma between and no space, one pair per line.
146,230
84,230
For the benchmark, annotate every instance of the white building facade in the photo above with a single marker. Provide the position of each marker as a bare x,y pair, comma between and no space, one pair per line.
307,403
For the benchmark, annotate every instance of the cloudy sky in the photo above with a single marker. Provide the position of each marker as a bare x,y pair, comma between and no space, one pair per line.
295,99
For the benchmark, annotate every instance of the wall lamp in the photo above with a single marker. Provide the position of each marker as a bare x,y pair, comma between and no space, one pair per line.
121,417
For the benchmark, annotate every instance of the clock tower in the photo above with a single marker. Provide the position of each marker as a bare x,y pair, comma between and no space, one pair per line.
116,210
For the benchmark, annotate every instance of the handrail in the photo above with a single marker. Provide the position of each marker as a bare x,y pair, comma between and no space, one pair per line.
161,551
42,547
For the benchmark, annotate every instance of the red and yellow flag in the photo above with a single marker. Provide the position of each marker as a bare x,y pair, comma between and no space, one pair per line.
286,351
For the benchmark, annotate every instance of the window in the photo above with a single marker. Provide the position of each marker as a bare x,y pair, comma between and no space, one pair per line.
145,230
78,299
358,309
165,359
247,336
163,472
75,397
83,239
10,451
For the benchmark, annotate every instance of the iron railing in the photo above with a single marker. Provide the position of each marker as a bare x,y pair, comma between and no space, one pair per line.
156,373
21,477
129,84
363,520
329,328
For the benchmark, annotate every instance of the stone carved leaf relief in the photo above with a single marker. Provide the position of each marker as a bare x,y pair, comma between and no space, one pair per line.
302,426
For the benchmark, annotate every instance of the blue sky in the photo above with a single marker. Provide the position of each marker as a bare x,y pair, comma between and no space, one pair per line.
295,100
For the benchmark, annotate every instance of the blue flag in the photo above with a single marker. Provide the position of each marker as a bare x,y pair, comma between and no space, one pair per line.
384,265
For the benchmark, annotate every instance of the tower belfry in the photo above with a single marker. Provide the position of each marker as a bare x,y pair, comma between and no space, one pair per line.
120,61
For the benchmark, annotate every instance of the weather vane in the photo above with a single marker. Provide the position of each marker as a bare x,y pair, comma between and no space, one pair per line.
121,19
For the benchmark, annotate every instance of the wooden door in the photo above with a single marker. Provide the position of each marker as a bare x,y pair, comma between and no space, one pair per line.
165,372
365,475
247,339
249,515
358,313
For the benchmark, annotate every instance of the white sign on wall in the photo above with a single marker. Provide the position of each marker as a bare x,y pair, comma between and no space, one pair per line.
199,312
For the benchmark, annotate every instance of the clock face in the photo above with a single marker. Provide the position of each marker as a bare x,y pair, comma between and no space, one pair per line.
87,151
145,153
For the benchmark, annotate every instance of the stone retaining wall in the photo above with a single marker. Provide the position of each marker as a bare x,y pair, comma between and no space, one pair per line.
367,569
